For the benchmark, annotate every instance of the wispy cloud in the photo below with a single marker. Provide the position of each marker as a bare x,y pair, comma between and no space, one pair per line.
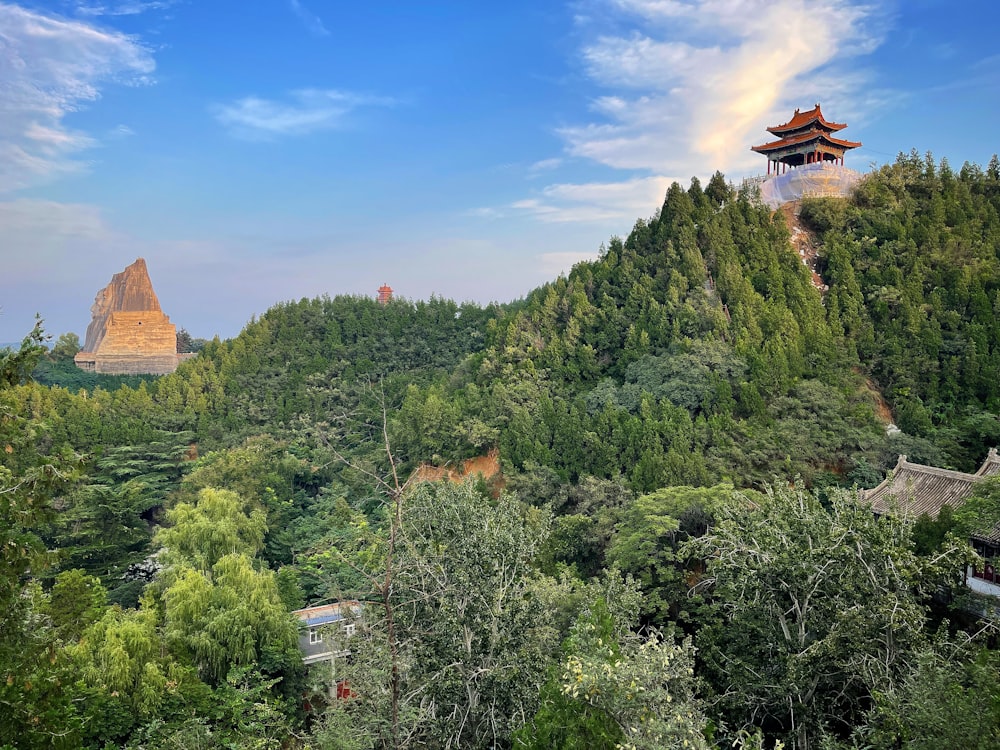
312,22
545,165
50,67
304,111
696,81
42,231
685,87
596,201
126,8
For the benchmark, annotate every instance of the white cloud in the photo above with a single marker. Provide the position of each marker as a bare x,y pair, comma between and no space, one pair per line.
310,20
23,218
596,201
49,68
305,111
545,165
687,86
130,8
698,81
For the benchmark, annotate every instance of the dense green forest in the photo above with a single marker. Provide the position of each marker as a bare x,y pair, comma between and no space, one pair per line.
673,554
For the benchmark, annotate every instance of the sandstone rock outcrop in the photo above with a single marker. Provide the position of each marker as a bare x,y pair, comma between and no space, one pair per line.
129,334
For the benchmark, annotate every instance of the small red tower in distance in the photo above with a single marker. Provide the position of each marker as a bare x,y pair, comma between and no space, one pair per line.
384,294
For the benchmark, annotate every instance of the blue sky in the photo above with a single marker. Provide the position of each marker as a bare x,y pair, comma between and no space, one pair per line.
278,149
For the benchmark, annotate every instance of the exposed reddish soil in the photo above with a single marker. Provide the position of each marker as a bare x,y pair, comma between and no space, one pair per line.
488,466
882,409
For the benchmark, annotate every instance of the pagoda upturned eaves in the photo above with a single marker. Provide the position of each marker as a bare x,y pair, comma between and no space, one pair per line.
807,138
802,120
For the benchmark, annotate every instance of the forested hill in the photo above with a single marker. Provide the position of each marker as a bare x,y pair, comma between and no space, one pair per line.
290,362
695,349
914,268
629,402
698,349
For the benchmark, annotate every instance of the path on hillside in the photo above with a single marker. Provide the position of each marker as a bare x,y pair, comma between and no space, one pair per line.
805,242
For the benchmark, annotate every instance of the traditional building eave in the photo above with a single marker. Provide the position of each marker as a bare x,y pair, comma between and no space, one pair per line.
801,120
914,489
790,144
991,466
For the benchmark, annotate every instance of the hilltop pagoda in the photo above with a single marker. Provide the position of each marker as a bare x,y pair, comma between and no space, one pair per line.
384,294
805,139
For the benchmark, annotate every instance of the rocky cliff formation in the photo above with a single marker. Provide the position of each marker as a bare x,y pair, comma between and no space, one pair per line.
128,333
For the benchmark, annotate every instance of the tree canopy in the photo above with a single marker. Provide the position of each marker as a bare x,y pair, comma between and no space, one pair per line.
658,543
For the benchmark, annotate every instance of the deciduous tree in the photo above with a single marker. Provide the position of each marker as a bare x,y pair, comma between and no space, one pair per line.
818,610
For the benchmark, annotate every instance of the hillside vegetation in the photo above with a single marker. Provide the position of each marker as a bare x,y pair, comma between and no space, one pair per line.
673,553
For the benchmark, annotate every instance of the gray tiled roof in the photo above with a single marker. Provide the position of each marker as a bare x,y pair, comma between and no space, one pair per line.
915,489
991,466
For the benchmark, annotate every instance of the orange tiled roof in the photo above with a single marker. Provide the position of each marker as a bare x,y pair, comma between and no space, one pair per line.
802,119
804,138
